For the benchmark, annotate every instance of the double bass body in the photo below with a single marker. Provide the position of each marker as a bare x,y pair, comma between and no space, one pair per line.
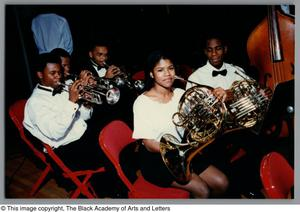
271,48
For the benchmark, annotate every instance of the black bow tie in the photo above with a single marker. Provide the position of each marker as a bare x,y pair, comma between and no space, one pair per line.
216,73
57,90
100,67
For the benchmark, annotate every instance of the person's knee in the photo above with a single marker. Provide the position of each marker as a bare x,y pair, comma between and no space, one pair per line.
197,187
220,184
201,190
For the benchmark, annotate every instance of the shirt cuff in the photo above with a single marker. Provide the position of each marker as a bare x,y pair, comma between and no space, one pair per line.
71,108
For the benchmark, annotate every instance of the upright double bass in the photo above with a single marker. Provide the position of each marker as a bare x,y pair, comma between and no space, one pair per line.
271,48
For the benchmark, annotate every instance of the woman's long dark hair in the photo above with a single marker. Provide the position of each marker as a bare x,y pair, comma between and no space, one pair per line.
153,58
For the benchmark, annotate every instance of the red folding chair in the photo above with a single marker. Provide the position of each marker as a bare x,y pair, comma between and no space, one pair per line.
16,113
112,139
80,178
277,176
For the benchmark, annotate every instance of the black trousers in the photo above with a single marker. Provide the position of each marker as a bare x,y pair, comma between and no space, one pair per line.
226,145
84,153
122,110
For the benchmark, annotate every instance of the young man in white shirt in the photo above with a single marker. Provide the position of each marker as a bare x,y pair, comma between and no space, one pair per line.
216,73
220,75
98,56
59,120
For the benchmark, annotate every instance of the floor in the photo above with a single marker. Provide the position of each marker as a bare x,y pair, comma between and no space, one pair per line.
21,174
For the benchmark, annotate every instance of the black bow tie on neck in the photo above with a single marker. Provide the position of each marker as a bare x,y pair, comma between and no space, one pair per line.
99,67
216,73
57,90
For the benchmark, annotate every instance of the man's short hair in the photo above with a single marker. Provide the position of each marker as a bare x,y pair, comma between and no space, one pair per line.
99,42
61,52
45,58
215,35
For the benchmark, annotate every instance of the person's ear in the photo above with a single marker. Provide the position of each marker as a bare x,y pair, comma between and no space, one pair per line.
151,75
225,49
205,52
90,54
39,75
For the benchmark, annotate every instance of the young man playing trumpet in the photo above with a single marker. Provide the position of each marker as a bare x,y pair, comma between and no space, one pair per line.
59,120
98,56
97,64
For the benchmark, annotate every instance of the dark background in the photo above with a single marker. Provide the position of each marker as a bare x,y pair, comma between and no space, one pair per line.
134,30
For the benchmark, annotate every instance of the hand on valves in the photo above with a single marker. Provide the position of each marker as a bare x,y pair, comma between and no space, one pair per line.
220,93
76,89
112,71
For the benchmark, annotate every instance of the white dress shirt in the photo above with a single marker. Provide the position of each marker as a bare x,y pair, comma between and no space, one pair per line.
51,31
101,72
54,119
203,76
153,119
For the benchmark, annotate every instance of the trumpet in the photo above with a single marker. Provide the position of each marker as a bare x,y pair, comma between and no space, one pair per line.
123,79
93,93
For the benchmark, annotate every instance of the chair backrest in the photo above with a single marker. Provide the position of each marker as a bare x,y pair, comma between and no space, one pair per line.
140,75
112,139
16,113
277,175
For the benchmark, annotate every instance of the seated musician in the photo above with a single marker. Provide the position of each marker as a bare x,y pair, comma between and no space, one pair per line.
220,75
59,120
153,111
97,63
65,64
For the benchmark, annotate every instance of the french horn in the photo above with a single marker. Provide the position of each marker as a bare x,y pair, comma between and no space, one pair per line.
203,117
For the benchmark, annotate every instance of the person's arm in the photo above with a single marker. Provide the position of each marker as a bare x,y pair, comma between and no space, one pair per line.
144,125
220,93
86,111
112,71
74,91
151,145
52,119
87,80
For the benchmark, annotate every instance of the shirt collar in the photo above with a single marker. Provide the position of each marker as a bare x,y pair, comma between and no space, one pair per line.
45,88
96,66
210,67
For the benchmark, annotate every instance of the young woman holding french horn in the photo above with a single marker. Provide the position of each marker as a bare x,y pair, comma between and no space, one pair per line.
153,111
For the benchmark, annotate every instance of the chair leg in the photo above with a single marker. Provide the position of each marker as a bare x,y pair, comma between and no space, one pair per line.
39,182
241,152
83,188
91,192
